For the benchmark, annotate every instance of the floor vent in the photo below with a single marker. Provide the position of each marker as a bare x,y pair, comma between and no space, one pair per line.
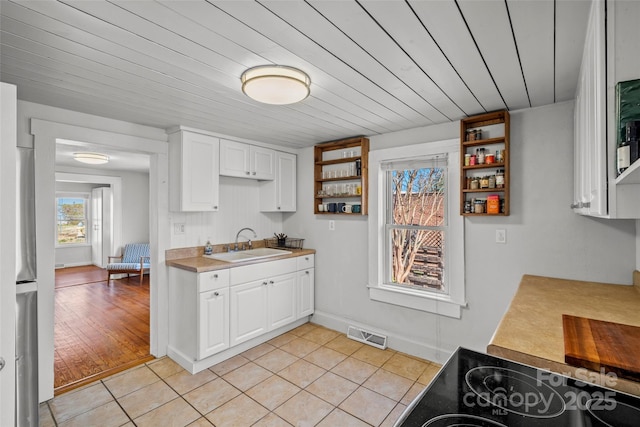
367,337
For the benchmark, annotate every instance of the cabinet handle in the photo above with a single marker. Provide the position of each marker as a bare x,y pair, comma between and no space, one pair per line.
278,207
2,363
246,173
215,276
306,258
215,207
306,272
253,173
215,294
264,283
271,281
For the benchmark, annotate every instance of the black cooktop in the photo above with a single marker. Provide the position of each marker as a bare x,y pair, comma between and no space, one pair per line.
476,389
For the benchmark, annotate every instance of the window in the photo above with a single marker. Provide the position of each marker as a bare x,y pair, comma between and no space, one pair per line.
417,260
72,219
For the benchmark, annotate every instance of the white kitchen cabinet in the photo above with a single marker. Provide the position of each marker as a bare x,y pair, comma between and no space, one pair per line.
606,62
305,286
263,298
194,171
213,322
279,195
248,311
246,161
217,314
306,289
198,312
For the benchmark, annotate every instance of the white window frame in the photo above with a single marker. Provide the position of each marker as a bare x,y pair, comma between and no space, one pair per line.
88,220
445,303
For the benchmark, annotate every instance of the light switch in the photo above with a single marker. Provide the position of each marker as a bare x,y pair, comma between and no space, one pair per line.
501,236
332,225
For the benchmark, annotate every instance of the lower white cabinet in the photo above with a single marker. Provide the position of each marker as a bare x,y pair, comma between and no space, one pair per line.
214,311
261,306
213,323
306,291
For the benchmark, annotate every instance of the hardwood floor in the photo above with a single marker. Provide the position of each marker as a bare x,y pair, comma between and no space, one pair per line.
100,329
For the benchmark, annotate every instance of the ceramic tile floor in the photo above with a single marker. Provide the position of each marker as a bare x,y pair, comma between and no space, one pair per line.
310,376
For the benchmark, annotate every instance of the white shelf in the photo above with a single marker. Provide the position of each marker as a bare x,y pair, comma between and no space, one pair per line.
631,175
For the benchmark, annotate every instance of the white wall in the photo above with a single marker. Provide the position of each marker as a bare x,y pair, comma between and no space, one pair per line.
239,208
544,237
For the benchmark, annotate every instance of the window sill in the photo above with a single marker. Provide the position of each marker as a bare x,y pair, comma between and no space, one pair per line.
431,303
73,245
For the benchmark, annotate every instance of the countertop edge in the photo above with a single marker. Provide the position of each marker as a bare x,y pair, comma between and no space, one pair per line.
200,264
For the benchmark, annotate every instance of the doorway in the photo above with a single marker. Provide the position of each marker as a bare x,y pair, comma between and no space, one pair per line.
100,327
45,135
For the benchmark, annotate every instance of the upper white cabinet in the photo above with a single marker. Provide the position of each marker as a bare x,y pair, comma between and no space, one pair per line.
194,171
246,161
279,195
607,60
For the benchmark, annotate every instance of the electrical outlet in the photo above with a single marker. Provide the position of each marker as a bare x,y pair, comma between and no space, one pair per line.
179,228
332,225
501,236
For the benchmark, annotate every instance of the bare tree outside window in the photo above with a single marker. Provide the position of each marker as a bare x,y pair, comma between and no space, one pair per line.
418,227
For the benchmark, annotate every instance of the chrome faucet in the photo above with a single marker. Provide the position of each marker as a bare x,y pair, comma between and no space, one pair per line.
248,240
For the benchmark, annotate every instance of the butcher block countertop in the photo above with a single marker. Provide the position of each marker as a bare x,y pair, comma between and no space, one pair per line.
191,259
531,331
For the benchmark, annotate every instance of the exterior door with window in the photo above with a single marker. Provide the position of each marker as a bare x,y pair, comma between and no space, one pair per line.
101,226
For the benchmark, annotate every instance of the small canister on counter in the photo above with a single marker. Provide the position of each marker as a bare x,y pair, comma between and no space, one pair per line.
493,204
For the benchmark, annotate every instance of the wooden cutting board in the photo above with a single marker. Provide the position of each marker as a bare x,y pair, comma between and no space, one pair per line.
596,344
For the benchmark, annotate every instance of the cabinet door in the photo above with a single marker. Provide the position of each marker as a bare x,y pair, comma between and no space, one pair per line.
590,167
281,300
279,195
248,312
262,163
194,168
213,324
234,159
305,287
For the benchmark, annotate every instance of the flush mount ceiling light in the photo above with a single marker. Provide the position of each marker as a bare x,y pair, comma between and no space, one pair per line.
91,158
275,84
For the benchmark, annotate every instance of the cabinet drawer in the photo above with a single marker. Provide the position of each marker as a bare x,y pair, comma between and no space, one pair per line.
213,280
305,261
262,270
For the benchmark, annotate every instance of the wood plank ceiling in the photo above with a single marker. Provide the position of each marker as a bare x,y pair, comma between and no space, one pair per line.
376,66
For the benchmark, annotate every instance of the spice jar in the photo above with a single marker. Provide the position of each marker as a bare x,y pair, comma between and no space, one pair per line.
475,183
484,182
492,181
467,159
480,155
500,178
467,206
489,159
478,206
467,182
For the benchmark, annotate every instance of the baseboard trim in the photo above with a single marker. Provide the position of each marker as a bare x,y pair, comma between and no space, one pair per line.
395,341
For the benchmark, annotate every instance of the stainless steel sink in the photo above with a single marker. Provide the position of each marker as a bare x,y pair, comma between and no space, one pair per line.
248,255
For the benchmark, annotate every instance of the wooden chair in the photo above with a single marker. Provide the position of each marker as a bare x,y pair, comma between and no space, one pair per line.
135,259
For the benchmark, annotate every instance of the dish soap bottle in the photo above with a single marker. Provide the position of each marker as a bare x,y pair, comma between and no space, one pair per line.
208,249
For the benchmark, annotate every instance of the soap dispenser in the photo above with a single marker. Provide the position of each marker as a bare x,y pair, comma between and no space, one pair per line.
208,249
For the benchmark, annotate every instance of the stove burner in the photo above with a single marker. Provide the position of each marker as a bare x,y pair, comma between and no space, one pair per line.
459,420
514,392
612,412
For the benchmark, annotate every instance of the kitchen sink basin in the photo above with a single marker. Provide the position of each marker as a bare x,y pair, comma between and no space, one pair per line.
248,255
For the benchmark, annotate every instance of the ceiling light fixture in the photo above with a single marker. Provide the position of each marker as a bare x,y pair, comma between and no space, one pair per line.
276,84
91,158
